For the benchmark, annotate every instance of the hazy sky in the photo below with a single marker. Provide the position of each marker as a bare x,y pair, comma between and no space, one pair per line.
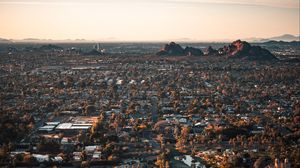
148,20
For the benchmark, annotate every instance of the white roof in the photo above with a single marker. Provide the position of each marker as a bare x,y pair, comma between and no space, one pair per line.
119,82
57,159
90,148
69,112
132,82
80,127
82,124
52,123
96,156
199,123
64,126
41,158
47,128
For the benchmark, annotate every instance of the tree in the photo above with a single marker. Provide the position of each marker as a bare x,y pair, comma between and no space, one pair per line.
161,161
160,138
182,139
83,155
3,153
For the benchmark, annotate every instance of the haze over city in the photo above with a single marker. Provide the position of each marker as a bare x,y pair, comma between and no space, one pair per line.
148,20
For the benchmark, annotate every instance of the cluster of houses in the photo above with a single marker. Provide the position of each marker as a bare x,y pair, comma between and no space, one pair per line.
92,110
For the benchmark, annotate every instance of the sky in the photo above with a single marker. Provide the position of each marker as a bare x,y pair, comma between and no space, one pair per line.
148,20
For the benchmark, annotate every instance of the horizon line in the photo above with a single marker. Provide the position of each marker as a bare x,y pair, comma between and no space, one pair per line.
116,40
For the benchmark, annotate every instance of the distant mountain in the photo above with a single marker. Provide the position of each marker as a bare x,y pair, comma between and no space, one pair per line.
174,49
236,50
291,43
32,39
37,40
242,49
79,40
171,49
2,40
285,37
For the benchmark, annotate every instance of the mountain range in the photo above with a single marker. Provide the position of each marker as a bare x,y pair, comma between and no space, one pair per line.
285,37
236,50
36,40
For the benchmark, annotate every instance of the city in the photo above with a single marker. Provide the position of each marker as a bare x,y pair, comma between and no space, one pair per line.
150,83
72,109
